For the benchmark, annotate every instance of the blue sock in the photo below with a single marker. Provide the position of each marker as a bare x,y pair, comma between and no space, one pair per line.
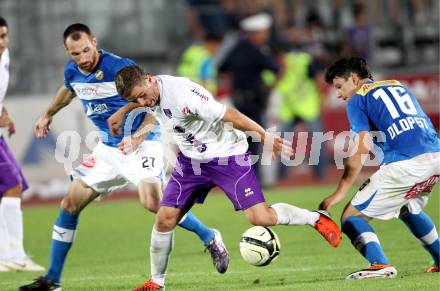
364,239
422,228
62,238
192,223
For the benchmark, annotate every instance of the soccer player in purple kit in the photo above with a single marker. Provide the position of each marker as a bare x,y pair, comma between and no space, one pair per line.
12,181
409,170
210,155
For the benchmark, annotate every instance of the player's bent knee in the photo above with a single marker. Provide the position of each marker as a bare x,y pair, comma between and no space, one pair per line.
260,219
68,204
166,219
261,215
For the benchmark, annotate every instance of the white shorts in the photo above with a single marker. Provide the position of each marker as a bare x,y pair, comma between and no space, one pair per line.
108,169
406,183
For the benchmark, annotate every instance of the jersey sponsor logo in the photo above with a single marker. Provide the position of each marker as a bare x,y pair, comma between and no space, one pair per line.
89,162
422,187
370,86
99,75
167,113
202,96
93,109
92,91
87,91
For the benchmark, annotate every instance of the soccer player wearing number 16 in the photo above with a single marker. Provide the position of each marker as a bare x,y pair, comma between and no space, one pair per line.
409,170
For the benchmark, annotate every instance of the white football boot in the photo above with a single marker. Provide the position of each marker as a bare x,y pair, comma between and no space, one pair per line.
25,264
374,271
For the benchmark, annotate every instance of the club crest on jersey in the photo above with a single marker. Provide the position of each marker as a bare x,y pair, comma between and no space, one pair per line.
167,113
99,75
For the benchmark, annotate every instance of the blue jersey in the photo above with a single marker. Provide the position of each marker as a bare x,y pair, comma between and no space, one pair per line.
391,108
98,95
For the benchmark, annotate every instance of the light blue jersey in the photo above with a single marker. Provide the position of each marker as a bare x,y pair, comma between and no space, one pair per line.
98,95
391,108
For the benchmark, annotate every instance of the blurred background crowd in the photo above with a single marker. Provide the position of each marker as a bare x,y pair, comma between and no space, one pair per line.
265,57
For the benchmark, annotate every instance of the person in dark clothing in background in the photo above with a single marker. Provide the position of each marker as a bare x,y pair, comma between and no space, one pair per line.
243,68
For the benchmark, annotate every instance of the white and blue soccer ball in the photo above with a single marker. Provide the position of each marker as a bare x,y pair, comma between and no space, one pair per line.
259,246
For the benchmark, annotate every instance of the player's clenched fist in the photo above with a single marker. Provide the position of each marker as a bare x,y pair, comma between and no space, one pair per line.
42,126
115,121
129,144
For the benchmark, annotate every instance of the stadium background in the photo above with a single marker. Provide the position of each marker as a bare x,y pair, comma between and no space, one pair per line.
402,42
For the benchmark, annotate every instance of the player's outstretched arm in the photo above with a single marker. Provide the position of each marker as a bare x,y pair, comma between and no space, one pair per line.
242,122
352,169
62,98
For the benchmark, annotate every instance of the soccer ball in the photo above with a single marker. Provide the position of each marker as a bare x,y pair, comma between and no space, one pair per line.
259,246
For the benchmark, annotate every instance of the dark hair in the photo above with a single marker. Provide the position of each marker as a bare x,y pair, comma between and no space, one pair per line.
74,31
343,67
3,22
127,78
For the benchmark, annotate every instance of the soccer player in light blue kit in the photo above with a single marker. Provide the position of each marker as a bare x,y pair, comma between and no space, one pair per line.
410,166
90,76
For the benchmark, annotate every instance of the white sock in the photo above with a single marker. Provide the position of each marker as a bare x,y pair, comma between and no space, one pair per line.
160,249
13,217
4,238
289,214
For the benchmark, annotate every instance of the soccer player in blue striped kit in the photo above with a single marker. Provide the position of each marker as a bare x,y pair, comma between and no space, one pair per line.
89,75
410,167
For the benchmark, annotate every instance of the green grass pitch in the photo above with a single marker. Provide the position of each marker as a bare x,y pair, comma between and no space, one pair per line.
111,250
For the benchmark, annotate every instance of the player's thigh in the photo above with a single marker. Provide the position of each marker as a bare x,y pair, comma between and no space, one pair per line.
350,210
393,186
100,170
79,196
185,187
238,179
146,163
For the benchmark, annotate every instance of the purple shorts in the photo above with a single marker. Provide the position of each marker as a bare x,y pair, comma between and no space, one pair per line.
190,182
11,174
